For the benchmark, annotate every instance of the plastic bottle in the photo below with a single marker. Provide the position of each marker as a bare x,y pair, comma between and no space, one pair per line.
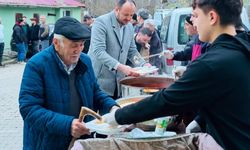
170,66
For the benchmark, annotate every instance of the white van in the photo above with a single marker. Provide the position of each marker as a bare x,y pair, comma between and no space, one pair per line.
173,35
245,18
159,14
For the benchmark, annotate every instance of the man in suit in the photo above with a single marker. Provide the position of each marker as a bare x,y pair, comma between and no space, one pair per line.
112,43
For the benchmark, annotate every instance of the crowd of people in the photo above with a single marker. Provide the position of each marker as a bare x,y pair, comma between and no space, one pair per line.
68,74
30,39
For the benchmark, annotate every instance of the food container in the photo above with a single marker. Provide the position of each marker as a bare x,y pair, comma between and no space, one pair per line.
134,86
130,100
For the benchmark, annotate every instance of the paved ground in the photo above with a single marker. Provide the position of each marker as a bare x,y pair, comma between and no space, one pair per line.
11,124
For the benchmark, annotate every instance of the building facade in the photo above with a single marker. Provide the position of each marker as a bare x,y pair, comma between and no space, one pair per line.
11,10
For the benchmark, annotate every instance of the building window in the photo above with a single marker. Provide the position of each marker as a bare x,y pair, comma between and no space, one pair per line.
66,13
18,15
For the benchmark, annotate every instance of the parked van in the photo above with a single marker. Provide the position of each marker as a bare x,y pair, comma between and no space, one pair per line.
173,35
245,18
159,14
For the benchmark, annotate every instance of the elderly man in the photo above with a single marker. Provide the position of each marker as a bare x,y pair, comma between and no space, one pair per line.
216,83
112,43
44,33
56,83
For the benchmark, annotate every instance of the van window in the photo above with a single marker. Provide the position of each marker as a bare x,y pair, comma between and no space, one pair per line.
158,19
182,35
164,29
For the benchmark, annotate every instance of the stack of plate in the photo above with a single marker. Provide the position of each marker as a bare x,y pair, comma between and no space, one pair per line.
146,70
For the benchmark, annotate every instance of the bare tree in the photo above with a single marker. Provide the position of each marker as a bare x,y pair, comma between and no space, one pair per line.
99,7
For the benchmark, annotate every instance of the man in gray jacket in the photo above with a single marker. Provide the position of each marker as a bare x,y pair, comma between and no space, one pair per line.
112,43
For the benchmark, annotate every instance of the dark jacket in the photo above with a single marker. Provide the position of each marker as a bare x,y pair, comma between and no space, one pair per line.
18,34
34,32
87,42
155,48
44,100
186,54
217,83
26,30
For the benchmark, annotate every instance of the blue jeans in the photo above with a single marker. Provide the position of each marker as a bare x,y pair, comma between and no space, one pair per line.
44,44
21,51
26,47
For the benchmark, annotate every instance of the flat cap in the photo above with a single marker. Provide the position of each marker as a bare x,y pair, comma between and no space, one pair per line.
72,29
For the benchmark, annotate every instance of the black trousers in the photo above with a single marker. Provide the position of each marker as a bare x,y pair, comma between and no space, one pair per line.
1,52
116,95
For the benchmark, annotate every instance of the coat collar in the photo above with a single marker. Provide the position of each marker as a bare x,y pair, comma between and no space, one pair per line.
116,26
114,21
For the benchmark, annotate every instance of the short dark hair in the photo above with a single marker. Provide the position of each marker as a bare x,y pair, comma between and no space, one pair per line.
19,20
134,17
120,3
143,13
146,31
86,17
228,10
188,19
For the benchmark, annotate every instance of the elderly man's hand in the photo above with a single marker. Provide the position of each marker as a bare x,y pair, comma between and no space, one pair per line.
78,129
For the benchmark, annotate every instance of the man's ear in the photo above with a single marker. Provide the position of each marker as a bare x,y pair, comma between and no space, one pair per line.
56,43
213,17
117,9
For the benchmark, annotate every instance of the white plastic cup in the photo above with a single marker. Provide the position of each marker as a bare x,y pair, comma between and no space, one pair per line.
161,125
